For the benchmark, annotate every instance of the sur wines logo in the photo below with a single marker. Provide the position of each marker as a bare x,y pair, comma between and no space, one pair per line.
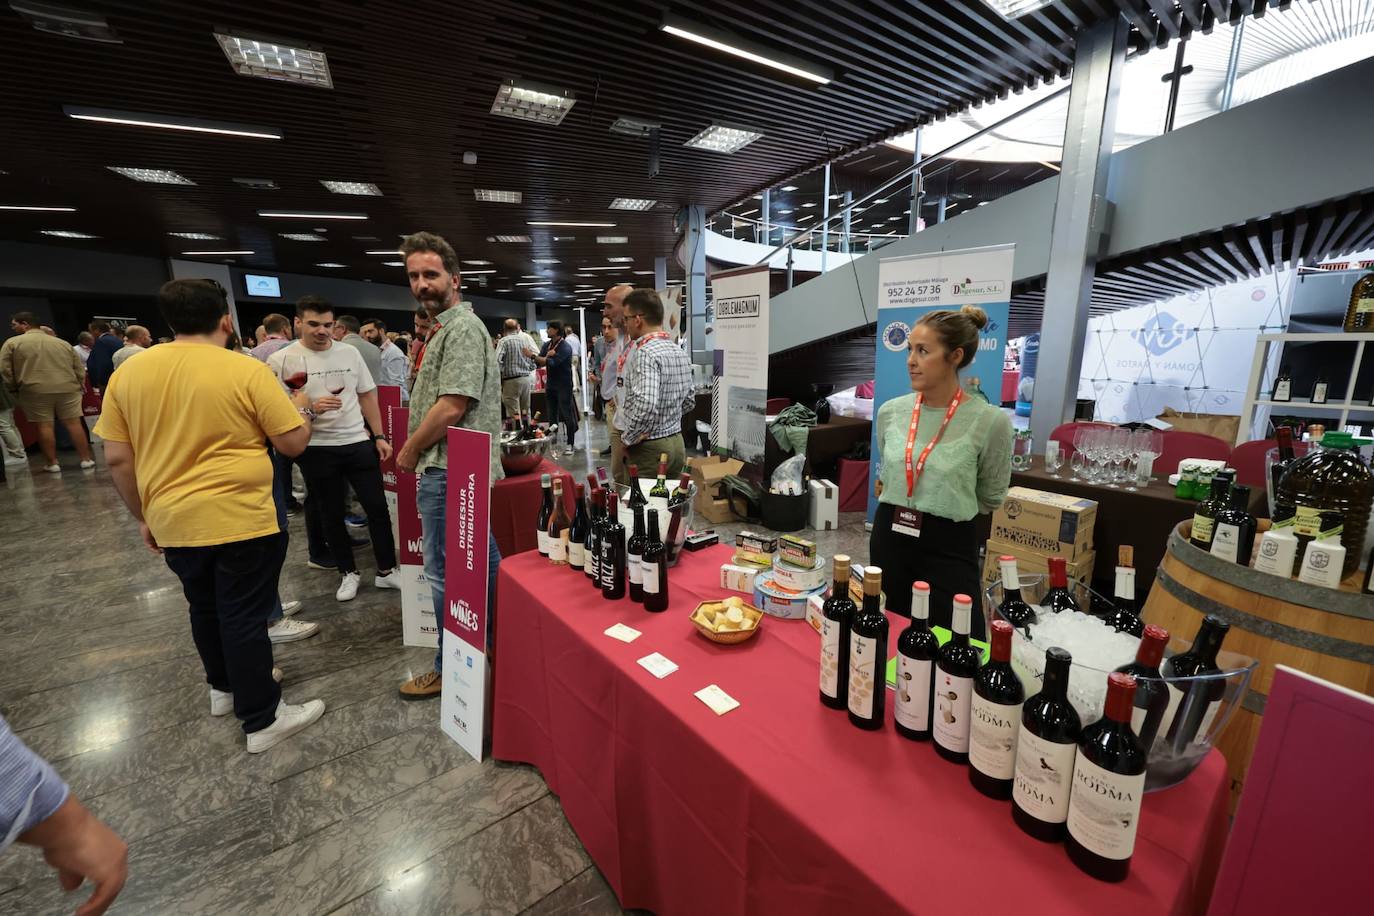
1162,333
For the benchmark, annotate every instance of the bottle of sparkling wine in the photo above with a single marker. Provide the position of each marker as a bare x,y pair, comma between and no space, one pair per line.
917,651
612,561
954,671
1151,694
634,555
577,533
995,718
868,656
654,568
1045,751
545,513
836,616
1194,704
559,526
1058,598
1013,609
1108,785
1125,618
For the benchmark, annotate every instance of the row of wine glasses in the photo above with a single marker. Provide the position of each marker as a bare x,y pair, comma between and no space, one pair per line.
1109,455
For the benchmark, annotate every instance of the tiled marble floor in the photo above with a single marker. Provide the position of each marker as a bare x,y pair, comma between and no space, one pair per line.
371,810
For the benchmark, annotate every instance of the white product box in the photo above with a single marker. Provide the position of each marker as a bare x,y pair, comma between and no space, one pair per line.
825,505
738,578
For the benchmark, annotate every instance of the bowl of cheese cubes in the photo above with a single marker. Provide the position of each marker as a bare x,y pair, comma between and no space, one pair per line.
727,622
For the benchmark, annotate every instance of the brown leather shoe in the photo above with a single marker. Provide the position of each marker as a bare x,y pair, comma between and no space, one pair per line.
427,686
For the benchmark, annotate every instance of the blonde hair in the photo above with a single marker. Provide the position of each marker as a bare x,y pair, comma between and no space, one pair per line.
958,329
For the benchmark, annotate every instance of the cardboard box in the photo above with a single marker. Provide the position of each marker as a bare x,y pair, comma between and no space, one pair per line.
738,578
1030,563
825,505
707,473
1049,524
797,551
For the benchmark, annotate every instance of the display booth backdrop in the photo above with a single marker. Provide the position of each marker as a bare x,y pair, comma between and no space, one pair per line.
740,389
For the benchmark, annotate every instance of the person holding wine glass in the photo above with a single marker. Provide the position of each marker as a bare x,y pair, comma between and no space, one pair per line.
347,445
945,458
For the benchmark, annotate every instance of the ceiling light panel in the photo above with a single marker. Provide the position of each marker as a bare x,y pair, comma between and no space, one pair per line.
621,260
478,263
393,263
791,187
512,238
632,203
308,215
719,138
196,236
292,62
642,273
387,252
612,239
565,238
1010,9
38,209
532,102
356,188
152,176
330,264
542,222
68,234
473,273
545,260
215,254
491,196
739,47
302,236
171,122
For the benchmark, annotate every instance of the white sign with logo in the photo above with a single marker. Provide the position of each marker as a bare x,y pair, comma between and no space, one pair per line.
1191,352
740,332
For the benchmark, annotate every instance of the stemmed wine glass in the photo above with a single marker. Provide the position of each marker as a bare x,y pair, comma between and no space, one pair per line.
1148,444
1054,458
294,373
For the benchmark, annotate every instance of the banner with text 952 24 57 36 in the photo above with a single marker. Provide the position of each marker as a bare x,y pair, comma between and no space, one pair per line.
911,286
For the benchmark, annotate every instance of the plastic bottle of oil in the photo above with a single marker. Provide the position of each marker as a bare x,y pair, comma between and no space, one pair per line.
1333,479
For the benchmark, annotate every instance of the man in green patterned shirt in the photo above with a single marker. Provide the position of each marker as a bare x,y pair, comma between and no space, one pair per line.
459,384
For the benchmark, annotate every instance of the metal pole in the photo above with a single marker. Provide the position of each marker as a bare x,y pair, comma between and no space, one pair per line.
845,219
825,216
789,267
940,214
582,359
1233,63
1175,79
660,273
767,209
696,284
915,220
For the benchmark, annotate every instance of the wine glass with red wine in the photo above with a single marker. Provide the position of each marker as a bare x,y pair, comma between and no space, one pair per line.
294,373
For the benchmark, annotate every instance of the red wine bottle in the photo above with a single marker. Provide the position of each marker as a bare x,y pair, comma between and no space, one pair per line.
954,672
559,525
837,613
995,718
577,533
1193,706
1108,785
1045,751
868,656
634,556
612,562
637,498
1124,617
1151,693
917,650
545,513
592,566
1058,598
1013,609
654,566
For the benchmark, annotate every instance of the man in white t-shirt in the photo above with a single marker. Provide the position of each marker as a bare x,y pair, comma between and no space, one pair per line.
346,443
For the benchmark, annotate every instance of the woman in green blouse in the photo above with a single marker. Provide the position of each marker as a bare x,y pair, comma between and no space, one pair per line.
959,466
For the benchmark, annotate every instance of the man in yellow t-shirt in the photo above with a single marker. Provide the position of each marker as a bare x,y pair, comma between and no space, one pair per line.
186,431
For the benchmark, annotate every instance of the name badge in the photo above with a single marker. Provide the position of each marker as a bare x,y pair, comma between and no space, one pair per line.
907,522
620,381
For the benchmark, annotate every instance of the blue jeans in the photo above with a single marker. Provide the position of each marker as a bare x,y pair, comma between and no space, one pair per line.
431,499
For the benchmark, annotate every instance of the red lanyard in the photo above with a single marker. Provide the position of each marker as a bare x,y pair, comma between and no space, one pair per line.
620,362
913,474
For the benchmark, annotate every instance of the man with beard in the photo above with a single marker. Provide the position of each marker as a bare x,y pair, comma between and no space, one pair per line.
459,384
613,367
393,360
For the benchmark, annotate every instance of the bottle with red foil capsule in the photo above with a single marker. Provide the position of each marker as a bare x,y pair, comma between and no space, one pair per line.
1108,785
1058,597
1151,693
995,718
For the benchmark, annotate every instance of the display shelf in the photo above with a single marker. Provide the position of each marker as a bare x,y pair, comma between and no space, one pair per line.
1309,405
1259,385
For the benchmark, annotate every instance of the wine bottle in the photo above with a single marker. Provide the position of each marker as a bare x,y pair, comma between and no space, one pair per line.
545,513
1235,528
868,656
995,718
917,650
1014,610
637,500
1319,388
654,568
592,567
957,664
658,494
1191,710
612,563
1205,515
559,524
1284,435
1359,316
577,533
677,528
837,613
634,554
1283,386
1045,751
1151,693
1108,785
1058,597
1125,617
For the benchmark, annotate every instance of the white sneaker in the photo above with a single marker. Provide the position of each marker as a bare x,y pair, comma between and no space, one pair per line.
568,450
53,468
348,588
288,630
390,580
290,719
290,607
88,464
222,701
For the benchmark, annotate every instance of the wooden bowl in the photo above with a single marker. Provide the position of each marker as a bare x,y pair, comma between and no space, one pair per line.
728,637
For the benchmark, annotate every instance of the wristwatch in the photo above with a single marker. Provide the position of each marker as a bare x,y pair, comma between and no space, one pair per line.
308,413
377,436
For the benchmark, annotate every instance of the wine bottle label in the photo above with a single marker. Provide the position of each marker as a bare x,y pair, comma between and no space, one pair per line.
1364,306
544,542
1176,698
1044,773
914,678
1283,391
830,657
635,563
952,694
1104,809
558,547
649,574
608,570
992,737
1226,543
661,504
1202,529
863,682
1319,393
577,553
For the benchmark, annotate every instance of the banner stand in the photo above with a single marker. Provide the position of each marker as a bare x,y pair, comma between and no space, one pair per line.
739,334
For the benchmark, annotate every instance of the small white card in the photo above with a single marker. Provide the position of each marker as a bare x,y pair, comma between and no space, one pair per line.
623,633
716,699
657,665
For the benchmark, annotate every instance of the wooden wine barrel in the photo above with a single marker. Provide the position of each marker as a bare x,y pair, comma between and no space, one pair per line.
1324,632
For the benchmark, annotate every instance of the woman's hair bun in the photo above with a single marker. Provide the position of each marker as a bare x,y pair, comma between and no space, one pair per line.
976,315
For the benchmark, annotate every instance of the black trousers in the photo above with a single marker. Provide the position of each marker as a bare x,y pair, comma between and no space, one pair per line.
945,556
562,408
329,471
232,588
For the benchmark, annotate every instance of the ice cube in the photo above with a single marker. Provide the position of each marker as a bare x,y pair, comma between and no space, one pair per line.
1096,649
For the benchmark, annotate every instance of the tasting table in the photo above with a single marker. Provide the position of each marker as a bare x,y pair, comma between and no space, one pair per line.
515,507
781,806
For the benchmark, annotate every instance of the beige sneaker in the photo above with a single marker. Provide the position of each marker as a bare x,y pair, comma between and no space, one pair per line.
424,687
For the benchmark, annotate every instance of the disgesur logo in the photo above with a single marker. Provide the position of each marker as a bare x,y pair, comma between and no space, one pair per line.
1162,333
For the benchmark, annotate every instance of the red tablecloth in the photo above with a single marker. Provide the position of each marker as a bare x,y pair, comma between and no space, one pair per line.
781,806
515,506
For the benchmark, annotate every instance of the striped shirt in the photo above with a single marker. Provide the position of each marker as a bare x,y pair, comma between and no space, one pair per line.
658,390
30,789
511,355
